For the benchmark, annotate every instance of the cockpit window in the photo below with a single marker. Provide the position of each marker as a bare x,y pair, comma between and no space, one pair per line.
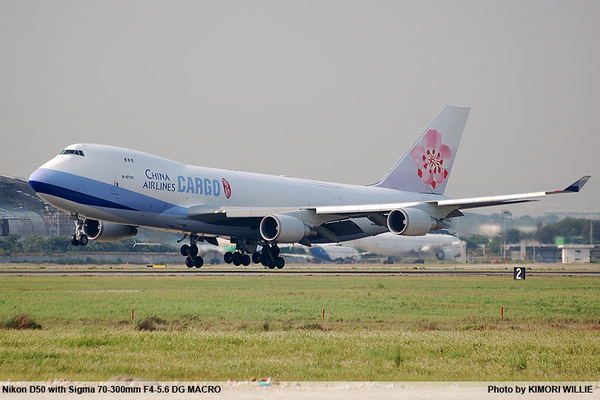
75,152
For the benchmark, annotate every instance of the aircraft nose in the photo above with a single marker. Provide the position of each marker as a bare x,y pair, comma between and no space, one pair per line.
41,180
36,178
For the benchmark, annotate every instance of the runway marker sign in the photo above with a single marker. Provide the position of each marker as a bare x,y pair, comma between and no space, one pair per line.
519,274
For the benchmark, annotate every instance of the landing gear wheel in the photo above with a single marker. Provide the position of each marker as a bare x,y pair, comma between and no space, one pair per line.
237,259
265,258
83,240
256,258
279,262
189,262
198,262
185,250
245,260
228,257
193,250
275,251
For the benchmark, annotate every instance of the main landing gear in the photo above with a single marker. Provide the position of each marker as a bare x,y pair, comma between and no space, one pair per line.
237,258
79,238
240,256
190,251
268,257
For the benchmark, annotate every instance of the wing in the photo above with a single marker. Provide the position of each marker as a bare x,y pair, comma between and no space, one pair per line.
337,223
448,208
510,199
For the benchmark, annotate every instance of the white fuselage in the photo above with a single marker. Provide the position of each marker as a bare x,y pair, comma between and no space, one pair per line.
131,187
394,246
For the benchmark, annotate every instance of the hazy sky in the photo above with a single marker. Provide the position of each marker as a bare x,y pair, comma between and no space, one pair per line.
328,90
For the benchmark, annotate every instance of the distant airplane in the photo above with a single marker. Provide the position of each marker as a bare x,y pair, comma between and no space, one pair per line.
443,246
336,253
110,191
440,245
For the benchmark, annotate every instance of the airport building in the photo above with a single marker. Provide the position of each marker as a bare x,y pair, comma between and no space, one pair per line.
575,253
23,213
550,253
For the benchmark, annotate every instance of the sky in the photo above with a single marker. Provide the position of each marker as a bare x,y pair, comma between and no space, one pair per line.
327,90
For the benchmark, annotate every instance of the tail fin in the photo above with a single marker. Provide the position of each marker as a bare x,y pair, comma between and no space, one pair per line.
425,168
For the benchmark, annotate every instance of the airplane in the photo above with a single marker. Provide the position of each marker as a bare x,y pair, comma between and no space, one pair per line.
336,253
443,246
439,244
111,191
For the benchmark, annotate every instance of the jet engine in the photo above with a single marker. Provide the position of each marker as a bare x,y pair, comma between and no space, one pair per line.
412,222
283,229
445,255
107,231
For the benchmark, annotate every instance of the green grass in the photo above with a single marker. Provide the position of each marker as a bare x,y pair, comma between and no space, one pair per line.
375,328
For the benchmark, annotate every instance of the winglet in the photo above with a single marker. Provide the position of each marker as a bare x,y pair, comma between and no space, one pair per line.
574,187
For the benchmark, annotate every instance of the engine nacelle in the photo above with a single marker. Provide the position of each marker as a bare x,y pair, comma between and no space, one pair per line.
283,229
107,231
412,222
445,255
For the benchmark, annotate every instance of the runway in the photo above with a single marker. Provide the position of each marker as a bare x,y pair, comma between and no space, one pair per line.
296,271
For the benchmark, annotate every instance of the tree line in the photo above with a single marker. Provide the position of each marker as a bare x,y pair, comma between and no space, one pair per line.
568,230
32,244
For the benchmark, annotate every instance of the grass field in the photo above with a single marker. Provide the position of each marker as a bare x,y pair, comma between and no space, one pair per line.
375,328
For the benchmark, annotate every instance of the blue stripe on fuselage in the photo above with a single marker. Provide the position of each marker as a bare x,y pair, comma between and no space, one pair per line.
94,193
75,196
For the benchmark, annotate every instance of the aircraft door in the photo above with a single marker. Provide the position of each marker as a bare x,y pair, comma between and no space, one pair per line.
116,188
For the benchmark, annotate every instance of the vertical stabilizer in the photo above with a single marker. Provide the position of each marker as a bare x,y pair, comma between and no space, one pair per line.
426,166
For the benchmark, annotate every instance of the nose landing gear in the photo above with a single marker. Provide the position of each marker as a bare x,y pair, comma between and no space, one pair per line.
79,238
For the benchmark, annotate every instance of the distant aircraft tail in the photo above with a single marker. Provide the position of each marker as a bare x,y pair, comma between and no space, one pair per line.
426,166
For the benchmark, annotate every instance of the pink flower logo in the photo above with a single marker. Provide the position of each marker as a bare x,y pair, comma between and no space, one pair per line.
226,188
430,156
